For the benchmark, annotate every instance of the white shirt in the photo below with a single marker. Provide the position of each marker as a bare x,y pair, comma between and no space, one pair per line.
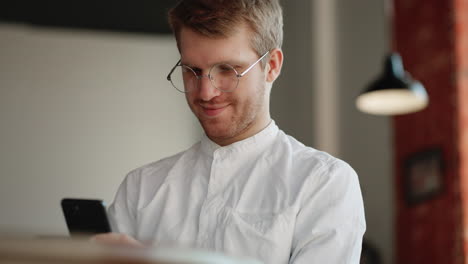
268,197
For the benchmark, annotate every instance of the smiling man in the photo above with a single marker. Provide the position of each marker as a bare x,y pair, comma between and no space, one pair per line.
246,188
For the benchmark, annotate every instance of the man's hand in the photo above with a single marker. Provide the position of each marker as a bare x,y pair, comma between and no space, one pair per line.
117,239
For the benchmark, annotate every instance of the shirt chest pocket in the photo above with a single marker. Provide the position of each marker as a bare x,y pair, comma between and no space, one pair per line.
265,236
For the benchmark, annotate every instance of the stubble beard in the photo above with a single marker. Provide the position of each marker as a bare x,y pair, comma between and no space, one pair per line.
241,120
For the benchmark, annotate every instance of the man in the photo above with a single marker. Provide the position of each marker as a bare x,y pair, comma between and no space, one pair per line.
246,188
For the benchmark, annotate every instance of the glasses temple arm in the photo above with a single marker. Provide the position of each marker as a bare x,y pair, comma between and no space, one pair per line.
172,70
253,65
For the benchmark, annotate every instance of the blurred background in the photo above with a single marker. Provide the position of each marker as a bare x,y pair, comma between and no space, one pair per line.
84,99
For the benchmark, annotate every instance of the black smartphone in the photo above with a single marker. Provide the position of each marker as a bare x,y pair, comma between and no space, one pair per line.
85,217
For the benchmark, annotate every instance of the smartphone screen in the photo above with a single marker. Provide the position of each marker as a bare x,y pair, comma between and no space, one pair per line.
85,217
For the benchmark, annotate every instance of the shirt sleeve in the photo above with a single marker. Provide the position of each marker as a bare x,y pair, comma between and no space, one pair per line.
122,212
331,223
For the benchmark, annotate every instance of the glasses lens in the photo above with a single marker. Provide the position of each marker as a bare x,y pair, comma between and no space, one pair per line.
183,79
224,77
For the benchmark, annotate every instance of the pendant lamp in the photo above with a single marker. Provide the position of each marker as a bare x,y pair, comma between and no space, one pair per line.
394,92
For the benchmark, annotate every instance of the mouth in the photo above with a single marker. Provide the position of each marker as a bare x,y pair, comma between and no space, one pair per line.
213,110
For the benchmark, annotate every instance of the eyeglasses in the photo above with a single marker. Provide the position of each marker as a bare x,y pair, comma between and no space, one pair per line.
222,76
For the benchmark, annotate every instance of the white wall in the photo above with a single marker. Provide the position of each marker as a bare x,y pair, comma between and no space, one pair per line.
78,110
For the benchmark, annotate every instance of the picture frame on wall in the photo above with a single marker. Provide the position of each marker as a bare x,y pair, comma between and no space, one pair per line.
423,175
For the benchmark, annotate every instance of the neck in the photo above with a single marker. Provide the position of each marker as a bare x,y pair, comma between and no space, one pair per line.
249,131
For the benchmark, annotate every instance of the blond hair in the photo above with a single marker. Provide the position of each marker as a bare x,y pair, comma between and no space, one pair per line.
221,18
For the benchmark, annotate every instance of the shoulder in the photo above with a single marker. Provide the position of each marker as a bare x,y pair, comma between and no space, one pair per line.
158,170
312,164
140,184
307,156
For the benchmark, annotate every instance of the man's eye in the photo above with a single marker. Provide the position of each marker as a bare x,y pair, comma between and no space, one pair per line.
224,68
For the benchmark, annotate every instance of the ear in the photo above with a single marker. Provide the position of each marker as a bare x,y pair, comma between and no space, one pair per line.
274,64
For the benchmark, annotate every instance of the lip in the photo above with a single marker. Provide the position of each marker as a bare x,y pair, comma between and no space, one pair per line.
213,111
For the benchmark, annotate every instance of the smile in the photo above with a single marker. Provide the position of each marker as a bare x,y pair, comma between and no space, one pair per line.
213,111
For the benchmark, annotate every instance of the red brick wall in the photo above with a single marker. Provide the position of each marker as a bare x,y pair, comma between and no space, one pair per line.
461,73
428,39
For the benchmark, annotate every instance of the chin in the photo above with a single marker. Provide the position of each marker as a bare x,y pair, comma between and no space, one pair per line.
217,129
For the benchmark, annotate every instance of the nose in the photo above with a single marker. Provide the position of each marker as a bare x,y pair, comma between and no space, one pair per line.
206,89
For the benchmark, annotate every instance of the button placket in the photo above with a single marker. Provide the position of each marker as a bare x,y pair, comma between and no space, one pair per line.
212,202
206,213
216,173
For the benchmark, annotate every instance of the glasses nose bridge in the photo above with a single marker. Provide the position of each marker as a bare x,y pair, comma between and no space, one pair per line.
210,81
200,76
208,76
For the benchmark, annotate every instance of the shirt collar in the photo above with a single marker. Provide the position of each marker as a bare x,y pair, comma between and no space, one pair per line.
254,142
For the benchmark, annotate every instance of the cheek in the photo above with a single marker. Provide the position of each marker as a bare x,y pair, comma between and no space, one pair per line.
191,97
188,99
191,102
253,89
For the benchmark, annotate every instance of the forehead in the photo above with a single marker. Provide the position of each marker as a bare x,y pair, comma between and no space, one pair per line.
203,51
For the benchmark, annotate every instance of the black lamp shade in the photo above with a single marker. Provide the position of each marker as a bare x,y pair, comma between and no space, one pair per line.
394,92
